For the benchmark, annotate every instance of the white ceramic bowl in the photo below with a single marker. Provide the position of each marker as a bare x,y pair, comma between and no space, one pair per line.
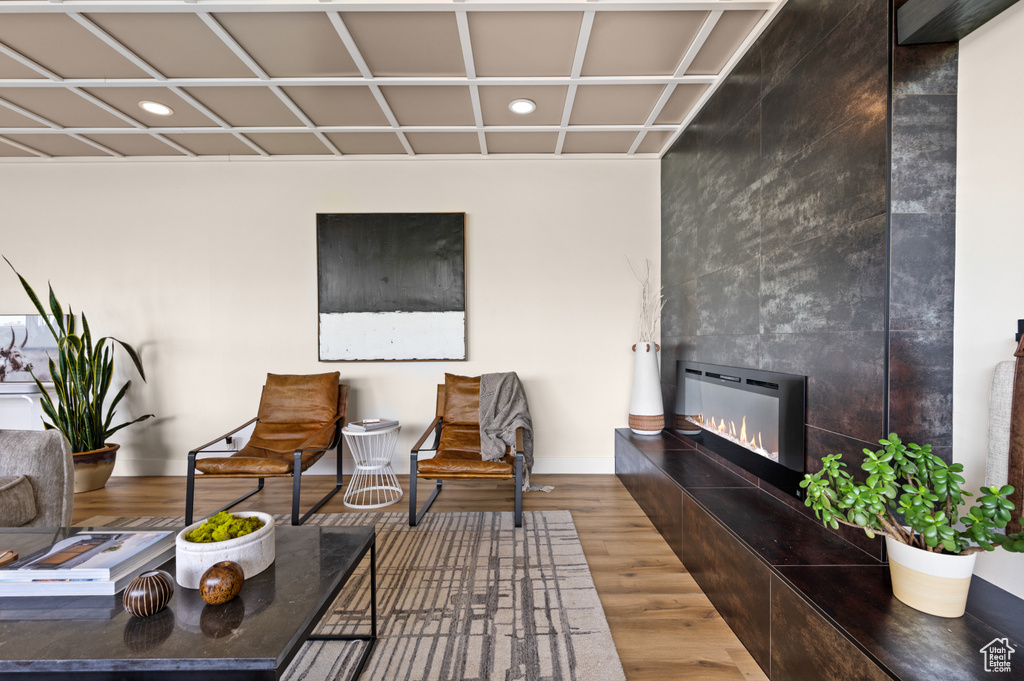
254,552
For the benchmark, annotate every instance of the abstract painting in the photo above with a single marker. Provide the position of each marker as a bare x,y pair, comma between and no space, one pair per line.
392,286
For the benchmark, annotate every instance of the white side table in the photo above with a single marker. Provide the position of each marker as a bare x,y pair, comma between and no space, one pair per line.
373,484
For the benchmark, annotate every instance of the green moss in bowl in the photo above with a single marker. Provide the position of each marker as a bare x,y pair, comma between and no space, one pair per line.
223,526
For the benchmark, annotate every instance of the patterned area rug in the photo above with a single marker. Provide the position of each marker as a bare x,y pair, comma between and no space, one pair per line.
462,596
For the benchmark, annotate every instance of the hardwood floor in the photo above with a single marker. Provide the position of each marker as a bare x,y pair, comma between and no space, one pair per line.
663,626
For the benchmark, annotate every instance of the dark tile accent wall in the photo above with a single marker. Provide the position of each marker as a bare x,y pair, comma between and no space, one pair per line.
808,225
922,242
774,216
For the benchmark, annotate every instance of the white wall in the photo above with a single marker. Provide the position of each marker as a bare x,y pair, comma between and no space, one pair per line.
990,244
209,268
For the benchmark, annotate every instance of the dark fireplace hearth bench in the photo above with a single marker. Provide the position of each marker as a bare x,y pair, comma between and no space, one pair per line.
807,604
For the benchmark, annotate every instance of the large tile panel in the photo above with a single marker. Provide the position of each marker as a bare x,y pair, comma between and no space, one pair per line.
922,262
837,181
727,300
921,386
924,154
843,76
834,283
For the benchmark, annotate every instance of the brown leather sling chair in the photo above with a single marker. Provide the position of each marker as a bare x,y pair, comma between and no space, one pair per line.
456,426
299,420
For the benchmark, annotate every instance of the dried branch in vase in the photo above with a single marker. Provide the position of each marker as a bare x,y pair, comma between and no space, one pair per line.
651,303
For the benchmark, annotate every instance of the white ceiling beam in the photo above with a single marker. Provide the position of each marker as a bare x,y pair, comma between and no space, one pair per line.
586,26
691,53
28,114
25,148
96,145
106,107
114,43
25,61
462,22
220,6
252,145
232,45
174,145
364,70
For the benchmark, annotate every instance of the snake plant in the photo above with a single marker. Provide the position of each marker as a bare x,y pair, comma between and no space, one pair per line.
81,372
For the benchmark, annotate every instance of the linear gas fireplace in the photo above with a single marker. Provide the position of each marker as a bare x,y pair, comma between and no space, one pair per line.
755,419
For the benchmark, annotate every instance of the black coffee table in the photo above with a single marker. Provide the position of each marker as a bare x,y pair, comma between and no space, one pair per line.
253,637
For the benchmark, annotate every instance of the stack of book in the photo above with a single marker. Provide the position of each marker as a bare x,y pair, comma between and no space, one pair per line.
88,564
371,424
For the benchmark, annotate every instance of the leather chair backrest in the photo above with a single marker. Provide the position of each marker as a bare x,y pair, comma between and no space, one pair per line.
294,407
299,398
461,400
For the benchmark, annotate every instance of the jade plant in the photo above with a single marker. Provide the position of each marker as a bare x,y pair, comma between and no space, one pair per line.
914,497
81,372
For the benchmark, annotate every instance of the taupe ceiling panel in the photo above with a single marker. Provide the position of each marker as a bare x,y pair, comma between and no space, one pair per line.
640,43
653,142
524,43
430,104
729,33
290,144
59,44
346,105
57,145
407,43
598,142
245,106
521,142
680,103
290,43
367,142
135,145
550,101
444,142
614,104
62,107
177,45
213,144
126,100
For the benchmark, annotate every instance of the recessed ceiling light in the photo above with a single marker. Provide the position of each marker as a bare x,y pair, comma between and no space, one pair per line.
522,106
156,108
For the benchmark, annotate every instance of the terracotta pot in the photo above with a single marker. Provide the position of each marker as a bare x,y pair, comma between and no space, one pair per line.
935,583
93,468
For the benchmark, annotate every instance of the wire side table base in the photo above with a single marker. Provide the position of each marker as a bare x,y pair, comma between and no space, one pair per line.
373,484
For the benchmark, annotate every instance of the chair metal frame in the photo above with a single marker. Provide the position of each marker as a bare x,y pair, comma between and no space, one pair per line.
436,426
296,473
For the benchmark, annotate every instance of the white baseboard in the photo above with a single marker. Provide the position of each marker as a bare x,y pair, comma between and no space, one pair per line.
566,465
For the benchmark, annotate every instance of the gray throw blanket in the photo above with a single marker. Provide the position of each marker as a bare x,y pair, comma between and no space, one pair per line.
503,409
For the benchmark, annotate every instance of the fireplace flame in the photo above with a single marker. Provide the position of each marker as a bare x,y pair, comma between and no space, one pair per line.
727,429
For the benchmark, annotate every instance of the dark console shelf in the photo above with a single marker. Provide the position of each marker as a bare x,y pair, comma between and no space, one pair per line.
805,602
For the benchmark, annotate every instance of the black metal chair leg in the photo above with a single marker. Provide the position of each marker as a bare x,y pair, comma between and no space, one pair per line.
414,516
297,489
190,487
519,489
413,459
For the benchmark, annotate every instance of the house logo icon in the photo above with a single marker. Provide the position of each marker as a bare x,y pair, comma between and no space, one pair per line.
997,654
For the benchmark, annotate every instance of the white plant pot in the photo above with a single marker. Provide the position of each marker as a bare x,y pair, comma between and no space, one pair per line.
646,408
935,583
254,552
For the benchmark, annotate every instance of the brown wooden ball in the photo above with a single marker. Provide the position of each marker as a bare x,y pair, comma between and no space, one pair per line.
148,593
221,582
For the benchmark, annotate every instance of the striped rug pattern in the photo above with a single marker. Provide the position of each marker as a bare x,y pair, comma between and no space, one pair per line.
463,596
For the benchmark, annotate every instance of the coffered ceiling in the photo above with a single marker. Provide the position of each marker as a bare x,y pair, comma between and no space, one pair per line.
339,78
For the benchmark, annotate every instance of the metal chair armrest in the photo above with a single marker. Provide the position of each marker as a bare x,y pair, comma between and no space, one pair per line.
225,435
423,438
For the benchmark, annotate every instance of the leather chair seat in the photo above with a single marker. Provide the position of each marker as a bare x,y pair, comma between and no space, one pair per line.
256,462
458,455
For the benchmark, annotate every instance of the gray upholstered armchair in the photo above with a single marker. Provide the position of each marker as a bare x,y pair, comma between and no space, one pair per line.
37,478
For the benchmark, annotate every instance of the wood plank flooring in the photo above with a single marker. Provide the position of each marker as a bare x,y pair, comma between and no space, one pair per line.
664,627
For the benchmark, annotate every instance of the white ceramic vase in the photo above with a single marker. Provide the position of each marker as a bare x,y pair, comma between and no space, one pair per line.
935,583
646,407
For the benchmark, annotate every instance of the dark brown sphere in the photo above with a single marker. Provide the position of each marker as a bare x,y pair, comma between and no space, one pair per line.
148,593
221,583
